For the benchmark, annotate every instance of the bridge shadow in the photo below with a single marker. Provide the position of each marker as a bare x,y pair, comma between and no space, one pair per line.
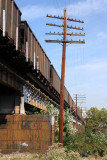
3,120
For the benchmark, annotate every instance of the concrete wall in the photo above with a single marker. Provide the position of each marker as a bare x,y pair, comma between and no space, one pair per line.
26,133
7,104
11,89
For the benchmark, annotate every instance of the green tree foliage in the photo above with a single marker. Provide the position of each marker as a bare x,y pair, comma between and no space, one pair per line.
97,120
94,139
94,144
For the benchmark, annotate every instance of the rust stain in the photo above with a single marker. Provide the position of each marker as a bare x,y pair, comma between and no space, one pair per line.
25,133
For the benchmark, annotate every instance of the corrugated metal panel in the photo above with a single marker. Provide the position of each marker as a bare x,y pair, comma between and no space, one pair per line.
1,16
19,22
2,7
74,106
40,60
44,65
14,23
37,52
12,15
23,37
48,70
39,57
8,6
70,101
55,80
32,47
36,49
43,61
29,42
66,94
47,67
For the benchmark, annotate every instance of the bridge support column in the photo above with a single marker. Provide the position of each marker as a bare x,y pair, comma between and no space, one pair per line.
22,108
17,105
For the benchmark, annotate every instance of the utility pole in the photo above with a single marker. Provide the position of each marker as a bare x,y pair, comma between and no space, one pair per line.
79,99
62,80
63,41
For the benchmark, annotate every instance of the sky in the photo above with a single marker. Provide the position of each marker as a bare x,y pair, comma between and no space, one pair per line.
86,64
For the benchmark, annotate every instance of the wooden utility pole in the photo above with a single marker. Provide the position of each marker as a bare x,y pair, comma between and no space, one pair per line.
62,80
64,41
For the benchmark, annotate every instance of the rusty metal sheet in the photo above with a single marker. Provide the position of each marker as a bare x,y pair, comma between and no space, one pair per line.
39,52
1,10
26,133
44,65
8,16
66,94
41,61
29,43
55,80
37,105
2,7
49,70
70,100
32,59
14,23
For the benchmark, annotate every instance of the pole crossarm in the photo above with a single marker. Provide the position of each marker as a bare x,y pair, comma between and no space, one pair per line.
62,41
70,34
70,27
74,20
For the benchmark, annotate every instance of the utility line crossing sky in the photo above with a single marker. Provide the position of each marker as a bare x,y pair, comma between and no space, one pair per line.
86,65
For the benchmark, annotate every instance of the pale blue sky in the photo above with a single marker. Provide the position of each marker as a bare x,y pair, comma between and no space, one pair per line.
86,65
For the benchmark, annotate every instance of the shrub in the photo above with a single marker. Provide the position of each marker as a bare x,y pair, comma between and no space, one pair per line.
94,144
67,123
59,153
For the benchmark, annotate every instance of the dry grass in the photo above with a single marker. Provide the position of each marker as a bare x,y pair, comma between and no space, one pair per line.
20,156
54,153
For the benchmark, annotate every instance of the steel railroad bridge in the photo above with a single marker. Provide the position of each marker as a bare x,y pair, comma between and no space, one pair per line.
26,80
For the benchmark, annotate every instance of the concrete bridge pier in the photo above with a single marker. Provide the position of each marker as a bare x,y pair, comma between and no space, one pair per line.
22,107
19,105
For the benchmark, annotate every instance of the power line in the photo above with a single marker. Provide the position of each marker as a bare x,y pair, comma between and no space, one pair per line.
79,99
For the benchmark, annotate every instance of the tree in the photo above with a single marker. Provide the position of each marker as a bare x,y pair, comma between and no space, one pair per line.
97,120
94,139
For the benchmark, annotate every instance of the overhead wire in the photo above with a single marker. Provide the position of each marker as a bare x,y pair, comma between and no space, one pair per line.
57,2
